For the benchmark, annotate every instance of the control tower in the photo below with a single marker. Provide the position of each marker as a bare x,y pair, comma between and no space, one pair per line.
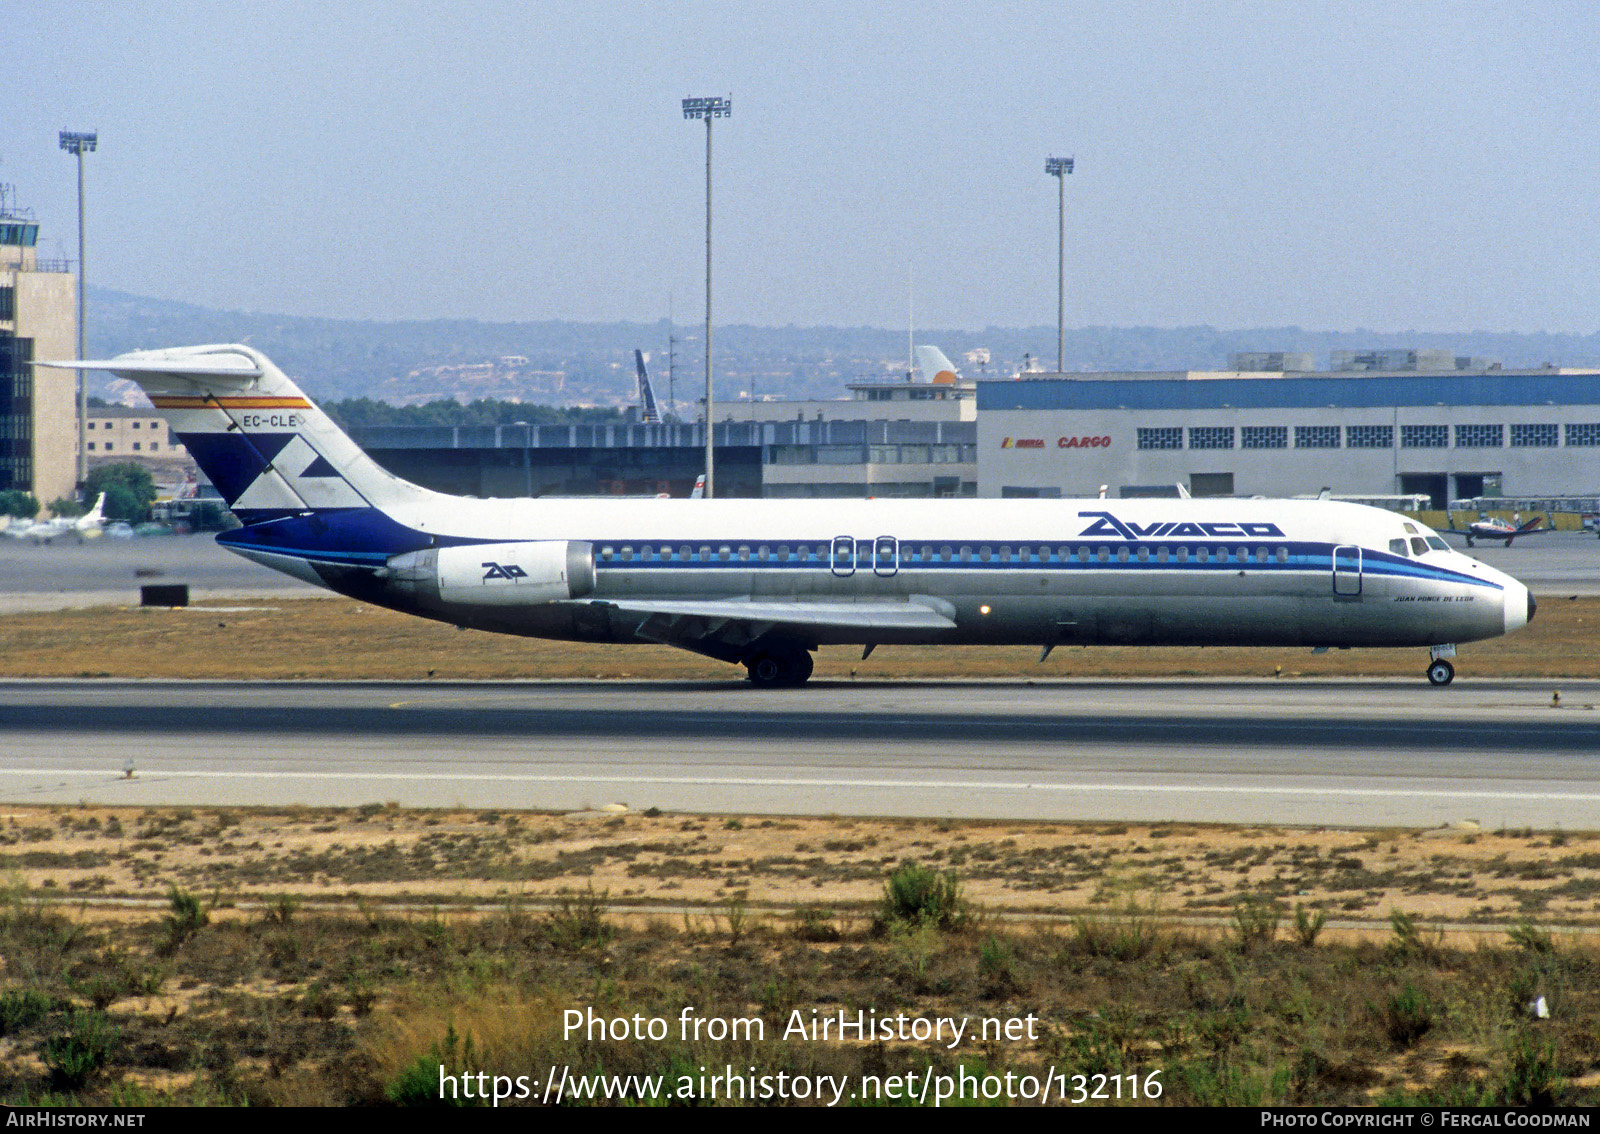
38,423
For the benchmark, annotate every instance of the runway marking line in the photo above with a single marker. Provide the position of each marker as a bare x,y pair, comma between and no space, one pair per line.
152,775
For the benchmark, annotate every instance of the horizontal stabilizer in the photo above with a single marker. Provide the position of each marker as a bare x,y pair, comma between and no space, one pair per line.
202,366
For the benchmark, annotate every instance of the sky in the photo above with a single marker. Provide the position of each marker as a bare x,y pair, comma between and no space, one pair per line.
1329,165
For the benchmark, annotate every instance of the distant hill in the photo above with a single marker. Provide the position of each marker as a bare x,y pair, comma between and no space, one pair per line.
561,363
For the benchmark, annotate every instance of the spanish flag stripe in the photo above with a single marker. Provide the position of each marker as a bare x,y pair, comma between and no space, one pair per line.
237,401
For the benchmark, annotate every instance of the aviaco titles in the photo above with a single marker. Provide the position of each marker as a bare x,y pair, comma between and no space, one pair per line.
764,583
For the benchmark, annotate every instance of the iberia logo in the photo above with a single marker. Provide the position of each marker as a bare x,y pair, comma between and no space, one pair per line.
1023,443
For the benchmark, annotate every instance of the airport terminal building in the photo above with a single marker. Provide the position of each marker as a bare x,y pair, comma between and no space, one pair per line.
1466,431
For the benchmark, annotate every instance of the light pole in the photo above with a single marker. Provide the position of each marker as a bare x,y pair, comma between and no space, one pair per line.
78,145
1059,167
708,108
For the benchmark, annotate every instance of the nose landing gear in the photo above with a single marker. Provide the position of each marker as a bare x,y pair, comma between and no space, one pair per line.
1440,671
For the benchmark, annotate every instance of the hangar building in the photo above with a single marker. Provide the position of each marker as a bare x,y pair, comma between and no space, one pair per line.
1447,433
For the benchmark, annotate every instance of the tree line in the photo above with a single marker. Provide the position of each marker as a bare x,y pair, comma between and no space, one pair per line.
363,413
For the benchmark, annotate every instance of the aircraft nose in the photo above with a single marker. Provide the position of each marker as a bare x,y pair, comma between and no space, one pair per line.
1519,606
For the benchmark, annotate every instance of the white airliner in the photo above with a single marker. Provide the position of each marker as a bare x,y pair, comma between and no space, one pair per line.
86,526
763,583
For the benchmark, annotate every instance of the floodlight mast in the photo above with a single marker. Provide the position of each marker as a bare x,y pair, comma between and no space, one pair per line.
1059,168
79,144
708,109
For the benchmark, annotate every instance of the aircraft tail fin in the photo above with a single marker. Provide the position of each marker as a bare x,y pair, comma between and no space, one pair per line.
935,366
699,487
647,397
268,449
95,515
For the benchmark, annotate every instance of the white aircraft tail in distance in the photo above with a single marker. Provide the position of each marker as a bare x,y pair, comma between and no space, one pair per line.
935,366
765,583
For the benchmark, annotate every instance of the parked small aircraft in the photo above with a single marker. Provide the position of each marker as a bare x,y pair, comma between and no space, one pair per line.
1507,530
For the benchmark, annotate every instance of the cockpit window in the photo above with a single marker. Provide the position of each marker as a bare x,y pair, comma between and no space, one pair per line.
1410,527
1419,546
1438,544
1397,547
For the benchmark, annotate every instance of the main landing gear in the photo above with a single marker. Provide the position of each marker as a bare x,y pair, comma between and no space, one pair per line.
778,666
1440,671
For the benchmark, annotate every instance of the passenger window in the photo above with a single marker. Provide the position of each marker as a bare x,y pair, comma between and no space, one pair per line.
744,553
763,553
1183,555
1261,555
1103,554
1144,555
944,553
1162,554
1283,555
605,553
1083,555
1202,554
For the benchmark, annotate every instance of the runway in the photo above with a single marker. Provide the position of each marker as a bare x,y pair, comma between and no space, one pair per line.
1353,753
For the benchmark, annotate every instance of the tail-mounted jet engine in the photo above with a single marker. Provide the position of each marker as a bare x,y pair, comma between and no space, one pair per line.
497,574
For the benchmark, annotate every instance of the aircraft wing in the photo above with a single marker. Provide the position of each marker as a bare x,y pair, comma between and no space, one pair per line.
725,628
663,614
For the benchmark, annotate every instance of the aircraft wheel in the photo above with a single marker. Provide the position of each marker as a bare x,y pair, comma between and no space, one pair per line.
766,671
777,668
1441,672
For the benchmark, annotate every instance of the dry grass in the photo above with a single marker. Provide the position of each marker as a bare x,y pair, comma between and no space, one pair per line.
334,638
328,1007
747,867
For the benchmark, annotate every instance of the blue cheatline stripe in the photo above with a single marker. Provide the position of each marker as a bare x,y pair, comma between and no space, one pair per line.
1302,557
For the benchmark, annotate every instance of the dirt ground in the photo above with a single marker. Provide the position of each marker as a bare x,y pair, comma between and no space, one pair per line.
336,638
651,863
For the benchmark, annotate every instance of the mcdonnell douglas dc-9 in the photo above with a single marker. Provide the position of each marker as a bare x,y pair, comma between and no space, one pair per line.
764,583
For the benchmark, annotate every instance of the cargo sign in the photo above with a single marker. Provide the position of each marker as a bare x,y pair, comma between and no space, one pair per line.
1061,443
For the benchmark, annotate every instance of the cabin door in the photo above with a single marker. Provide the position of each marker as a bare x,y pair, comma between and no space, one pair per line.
886,557
1347,572
843,561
